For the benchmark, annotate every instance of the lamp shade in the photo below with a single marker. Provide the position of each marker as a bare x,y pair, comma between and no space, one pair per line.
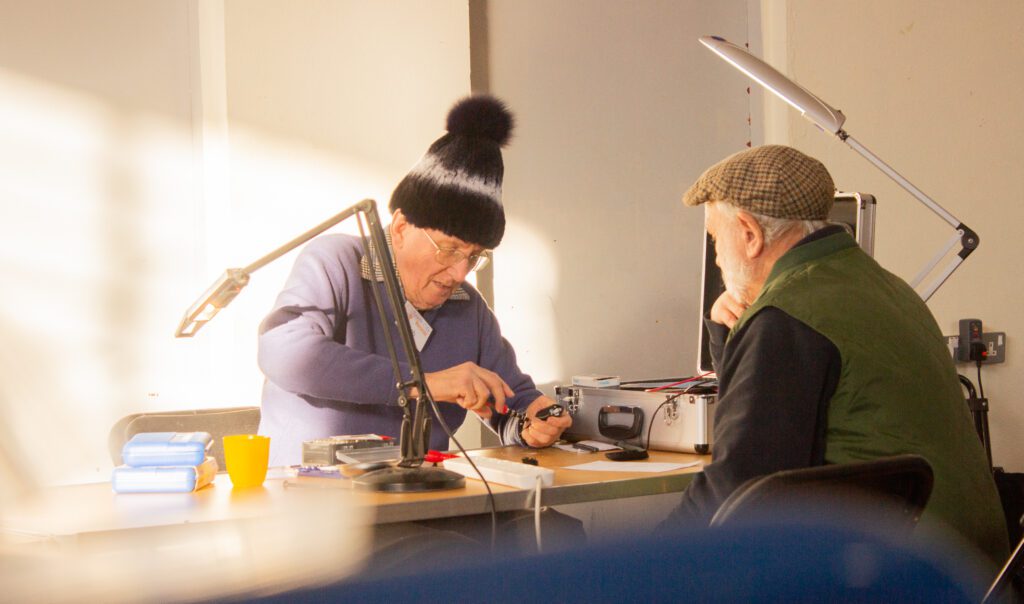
818,111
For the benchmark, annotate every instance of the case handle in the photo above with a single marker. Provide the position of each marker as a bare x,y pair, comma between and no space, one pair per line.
620,431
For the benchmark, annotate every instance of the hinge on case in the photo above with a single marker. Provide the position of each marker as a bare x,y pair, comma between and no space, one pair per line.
672,411
569,397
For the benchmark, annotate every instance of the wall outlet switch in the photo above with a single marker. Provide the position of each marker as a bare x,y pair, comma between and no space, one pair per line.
995,344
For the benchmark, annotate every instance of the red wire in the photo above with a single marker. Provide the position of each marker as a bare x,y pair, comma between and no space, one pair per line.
689,379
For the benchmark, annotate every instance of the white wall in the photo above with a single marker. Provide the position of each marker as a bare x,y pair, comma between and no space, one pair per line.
619,109
935,90
96,185
147,146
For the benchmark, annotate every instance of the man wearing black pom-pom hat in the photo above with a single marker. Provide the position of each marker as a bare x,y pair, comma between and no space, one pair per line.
322,347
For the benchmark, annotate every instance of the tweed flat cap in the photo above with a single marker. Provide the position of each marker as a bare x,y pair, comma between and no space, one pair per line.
772,180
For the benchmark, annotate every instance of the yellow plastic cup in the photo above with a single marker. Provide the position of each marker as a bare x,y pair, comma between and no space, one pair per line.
246,456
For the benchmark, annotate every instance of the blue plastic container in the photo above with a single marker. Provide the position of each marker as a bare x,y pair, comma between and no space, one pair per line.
163,479
166,449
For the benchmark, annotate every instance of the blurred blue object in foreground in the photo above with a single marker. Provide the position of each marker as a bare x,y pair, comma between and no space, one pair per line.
775,563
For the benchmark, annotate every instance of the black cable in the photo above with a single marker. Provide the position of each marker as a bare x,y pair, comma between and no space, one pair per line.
979,411
969,385
654,415
986,437
490,495
653,381
372,252
981,388
697,385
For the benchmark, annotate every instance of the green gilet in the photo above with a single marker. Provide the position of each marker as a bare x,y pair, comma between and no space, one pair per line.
898,389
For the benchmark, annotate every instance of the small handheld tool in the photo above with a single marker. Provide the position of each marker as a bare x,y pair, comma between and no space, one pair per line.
555,410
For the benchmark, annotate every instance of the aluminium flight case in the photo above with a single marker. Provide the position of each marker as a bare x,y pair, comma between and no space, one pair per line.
682,421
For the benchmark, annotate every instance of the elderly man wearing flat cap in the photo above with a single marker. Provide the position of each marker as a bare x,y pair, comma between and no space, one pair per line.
823,356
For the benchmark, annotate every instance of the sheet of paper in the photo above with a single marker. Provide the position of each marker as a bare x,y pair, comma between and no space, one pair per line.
631,466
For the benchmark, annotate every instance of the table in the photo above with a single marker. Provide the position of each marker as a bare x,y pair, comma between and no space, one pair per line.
80,511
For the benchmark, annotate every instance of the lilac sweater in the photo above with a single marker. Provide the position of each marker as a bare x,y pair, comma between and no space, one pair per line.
326,363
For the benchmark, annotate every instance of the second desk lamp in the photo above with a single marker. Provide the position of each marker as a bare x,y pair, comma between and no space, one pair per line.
831,120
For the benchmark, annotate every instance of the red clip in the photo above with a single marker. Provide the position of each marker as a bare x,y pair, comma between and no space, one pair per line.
433,456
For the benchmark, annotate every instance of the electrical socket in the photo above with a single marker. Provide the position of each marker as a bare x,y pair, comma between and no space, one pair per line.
995,343
970,332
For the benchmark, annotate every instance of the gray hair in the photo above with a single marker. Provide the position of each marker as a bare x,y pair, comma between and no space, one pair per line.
775,228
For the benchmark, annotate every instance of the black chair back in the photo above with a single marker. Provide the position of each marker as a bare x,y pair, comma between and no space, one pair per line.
886,495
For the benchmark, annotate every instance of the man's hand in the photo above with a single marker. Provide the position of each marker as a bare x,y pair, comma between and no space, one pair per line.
727,310
542,433
471,387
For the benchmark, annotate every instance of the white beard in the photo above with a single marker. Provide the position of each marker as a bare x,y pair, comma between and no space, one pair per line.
738,278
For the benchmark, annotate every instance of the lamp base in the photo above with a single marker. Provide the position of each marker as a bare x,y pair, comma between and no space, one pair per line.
409,480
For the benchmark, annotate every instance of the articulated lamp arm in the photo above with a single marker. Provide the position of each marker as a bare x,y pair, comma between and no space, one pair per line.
230,284
831,120
413,394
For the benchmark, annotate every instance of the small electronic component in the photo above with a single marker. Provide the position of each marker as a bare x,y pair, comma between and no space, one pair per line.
323,451
628,453
319,471
625,455
555,410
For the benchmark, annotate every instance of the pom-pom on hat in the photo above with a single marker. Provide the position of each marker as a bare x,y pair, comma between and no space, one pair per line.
771,180
456,187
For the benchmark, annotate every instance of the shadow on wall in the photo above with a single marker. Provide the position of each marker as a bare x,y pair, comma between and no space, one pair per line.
93,195
38,433
126,261
15,472
616,323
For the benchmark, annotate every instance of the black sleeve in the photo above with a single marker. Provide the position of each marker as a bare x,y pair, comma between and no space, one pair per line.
776,378
716,341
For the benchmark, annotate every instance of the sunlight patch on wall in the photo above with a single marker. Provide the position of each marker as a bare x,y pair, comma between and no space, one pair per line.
526,276
106,242
279,189
55,171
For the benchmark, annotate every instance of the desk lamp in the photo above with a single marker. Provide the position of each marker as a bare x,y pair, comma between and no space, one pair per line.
407,475
831,120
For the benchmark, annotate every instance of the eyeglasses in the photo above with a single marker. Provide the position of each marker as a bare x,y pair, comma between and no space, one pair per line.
448,256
